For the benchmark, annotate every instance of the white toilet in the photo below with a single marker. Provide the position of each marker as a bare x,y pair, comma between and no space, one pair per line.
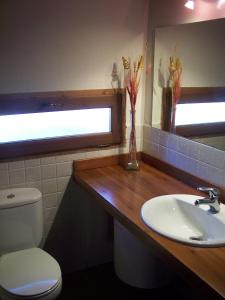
26,271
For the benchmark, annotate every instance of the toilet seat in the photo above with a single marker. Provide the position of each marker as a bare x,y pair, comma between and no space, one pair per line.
29,273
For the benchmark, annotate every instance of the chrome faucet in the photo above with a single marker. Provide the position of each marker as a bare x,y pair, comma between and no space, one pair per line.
213,200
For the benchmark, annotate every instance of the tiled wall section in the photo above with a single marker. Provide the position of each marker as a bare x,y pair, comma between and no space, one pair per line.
51,174
200,160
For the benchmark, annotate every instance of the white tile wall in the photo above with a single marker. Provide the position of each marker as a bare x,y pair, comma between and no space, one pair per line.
50,200
49,186
4,177
200,160
3,166
16,176
50,174
64,169
34,184
33,174
47,228
62,183
50,214
59,196
48,160
16,165
32,162
48,171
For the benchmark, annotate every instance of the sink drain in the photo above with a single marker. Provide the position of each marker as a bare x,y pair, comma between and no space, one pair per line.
196,238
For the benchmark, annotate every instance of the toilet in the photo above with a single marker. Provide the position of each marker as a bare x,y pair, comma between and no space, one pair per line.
26,271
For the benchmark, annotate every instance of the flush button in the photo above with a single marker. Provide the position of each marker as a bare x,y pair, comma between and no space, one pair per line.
10,196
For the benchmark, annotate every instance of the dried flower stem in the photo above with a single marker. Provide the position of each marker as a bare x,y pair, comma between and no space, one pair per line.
175,71
132,78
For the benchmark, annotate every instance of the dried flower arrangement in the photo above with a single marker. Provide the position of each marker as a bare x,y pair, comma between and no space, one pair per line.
175,72
132,76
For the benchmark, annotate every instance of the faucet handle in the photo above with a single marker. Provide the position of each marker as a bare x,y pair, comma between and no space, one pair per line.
213,192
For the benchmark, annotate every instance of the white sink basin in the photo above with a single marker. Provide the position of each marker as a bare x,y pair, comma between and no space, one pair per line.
176,217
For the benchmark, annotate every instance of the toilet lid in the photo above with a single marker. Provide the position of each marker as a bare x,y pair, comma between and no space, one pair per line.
28,272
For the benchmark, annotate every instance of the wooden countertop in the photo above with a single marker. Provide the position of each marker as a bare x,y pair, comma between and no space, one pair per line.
122,194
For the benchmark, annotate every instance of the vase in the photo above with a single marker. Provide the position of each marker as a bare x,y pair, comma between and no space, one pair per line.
132,163
173,113
173,117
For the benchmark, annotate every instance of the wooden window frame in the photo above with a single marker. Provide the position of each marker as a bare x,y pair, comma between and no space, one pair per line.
60,101
193,95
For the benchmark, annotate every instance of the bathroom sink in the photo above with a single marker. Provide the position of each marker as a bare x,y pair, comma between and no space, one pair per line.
176,217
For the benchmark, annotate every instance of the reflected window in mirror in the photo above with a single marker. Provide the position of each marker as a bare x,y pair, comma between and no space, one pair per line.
199,112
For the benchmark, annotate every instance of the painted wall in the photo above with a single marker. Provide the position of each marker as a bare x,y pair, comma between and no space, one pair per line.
68,45
50,45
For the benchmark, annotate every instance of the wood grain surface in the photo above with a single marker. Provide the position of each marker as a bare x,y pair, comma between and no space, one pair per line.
122,194
181,175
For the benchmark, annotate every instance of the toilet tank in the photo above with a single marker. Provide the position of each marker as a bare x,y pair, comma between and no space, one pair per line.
21,219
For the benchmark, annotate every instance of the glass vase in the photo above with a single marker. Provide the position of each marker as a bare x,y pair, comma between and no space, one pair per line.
132,163
173,114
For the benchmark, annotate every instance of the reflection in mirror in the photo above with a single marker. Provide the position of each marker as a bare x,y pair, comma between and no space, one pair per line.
201,49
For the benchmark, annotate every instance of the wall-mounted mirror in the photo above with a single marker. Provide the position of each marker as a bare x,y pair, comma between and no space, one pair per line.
201,50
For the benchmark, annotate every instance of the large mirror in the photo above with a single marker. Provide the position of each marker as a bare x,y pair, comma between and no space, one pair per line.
201,49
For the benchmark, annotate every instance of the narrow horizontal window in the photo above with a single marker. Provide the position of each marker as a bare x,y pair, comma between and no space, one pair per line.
34,126
200,113
45,122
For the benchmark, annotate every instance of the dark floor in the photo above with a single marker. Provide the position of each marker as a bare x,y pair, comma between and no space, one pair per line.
101,283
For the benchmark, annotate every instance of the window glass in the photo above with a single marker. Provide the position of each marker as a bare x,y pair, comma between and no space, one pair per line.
200,113
34,126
